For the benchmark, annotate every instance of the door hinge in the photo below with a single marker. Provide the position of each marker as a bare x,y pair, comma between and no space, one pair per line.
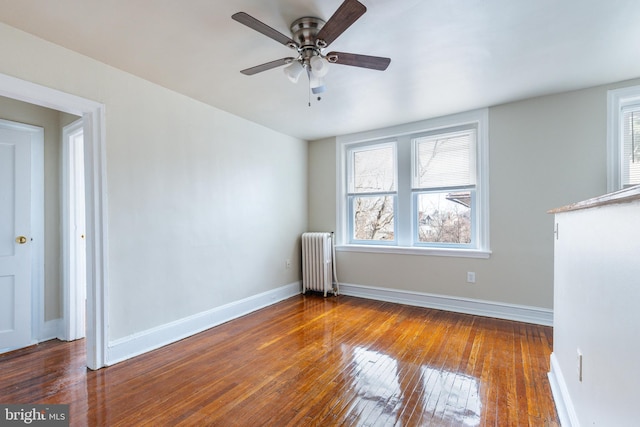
557,231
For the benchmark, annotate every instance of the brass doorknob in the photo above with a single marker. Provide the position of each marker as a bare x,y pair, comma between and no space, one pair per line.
21,239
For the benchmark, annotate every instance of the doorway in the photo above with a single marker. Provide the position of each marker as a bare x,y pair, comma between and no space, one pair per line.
96,206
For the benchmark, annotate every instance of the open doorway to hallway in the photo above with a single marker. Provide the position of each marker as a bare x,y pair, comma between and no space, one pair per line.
46,185
96,211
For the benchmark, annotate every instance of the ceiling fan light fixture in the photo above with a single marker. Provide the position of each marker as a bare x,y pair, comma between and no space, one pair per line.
316,84
293,71
319,89
319,66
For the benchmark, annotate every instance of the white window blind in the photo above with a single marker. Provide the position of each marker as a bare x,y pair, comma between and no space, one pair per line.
623,137
373,170
445,160
631,146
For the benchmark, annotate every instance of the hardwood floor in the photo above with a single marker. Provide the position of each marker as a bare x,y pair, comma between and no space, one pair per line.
307,361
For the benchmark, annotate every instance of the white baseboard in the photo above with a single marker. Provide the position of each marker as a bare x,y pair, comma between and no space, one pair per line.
520,313
151,339
564,405
50,329
47,331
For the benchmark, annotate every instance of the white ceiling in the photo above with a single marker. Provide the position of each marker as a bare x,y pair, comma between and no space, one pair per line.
446,55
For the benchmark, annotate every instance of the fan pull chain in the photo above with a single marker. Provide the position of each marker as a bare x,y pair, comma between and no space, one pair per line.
317,99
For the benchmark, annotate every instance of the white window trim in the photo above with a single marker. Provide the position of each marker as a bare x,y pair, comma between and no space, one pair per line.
393,144
481,119
617,99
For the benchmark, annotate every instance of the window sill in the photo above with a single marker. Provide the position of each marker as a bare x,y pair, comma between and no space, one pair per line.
406,250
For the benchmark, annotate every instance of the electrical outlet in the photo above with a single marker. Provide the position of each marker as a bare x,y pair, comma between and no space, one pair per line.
287,264
471,277
579,365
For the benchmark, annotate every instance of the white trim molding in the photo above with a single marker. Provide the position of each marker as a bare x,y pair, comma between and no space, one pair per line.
93,114
402,135
73,328
151,339
50,329
413,250
561,397
500,310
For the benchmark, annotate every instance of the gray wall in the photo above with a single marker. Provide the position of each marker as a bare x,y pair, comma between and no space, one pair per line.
544,152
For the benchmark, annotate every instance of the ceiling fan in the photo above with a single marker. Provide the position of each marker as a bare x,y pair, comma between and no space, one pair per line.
310,36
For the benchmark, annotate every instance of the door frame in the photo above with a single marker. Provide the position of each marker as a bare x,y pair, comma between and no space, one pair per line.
96,212
73,297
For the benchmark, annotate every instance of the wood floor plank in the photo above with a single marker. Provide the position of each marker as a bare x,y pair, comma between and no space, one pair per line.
307,361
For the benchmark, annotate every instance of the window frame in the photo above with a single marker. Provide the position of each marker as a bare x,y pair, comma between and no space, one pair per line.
405,209
351,195
618,101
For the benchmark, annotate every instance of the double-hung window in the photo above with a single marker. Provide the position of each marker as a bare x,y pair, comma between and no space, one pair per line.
372,193
419,188
623,139
444,188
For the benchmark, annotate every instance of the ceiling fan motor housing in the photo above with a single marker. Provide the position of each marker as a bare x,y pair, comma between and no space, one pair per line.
304,31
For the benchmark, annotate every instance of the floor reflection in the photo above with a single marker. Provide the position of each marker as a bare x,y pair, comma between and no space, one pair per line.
385,387
331,362
456,396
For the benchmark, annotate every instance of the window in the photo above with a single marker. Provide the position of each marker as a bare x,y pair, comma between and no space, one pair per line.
418,188
623,138
444,188
630,141
372,193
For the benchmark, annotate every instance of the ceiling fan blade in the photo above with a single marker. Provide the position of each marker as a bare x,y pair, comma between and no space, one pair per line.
263,28
348,13
356,60
264,67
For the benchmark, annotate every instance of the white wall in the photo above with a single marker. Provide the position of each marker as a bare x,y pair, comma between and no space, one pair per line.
597,280
203,207
544,152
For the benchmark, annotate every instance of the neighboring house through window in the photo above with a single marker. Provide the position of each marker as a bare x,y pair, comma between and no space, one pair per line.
416,188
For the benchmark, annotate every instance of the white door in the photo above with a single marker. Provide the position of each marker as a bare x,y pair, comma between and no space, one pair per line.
15,235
